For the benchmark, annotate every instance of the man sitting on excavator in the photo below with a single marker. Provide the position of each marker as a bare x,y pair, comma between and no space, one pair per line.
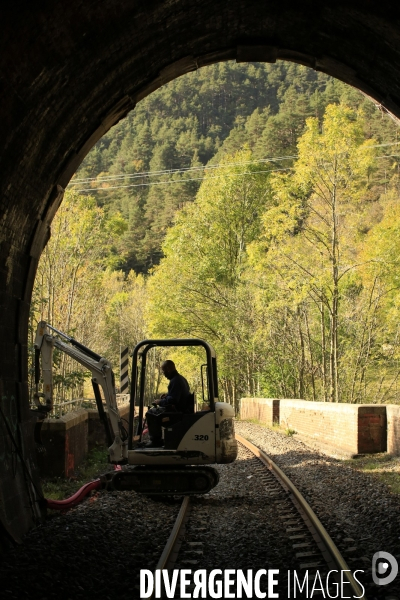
175,400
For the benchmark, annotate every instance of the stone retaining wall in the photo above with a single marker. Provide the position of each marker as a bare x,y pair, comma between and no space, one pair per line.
393,429
67,440
336,429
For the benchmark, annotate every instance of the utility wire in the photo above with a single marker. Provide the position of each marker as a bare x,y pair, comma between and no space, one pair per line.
132,185
181,170
108,178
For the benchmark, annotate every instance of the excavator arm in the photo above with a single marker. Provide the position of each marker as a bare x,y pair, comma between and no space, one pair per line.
102,376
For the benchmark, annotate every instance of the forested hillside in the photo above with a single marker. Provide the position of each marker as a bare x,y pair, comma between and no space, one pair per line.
255,206
184,125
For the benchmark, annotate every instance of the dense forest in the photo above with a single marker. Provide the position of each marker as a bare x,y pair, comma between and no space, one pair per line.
253,205
150,164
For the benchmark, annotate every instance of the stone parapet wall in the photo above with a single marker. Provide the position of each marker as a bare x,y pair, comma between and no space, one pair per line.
393,429
65,443
96,432
265,410
68,439
336,429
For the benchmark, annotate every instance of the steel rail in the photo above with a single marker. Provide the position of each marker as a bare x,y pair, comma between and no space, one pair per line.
335,557
174,536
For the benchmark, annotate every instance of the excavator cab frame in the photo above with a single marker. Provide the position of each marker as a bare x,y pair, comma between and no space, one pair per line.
138,379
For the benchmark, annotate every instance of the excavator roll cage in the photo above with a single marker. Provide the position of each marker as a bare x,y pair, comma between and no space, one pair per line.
119,440
138,379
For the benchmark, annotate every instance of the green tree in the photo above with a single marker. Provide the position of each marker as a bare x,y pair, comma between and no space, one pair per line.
184,124
377,368
311,232
199,287
68,291
122,321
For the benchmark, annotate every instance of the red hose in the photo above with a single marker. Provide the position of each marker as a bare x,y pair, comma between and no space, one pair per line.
76,498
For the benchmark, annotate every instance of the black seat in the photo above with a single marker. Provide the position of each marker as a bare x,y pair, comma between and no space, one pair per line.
176,424
168,418
189,404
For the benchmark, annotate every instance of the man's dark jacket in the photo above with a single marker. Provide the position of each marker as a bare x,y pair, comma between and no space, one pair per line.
178,393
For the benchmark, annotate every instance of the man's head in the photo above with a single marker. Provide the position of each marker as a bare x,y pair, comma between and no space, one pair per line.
168,368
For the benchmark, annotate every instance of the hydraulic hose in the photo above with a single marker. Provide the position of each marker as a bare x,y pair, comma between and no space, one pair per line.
97,484
76,498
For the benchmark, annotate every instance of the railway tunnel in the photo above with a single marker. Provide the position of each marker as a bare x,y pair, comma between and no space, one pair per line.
70,71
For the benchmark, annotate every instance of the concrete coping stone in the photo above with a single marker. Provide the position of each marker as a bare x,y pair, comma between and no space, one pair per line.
334,406
67,421
326,406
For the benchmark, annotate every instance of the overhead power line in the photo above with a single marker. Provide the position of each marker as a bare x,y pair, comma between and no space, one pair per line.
161,172
132,185
172,171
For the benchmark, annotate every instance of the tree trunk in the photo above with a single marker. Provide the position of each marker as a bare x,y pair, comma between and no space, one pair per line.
323,349
311,356
333,359
302,356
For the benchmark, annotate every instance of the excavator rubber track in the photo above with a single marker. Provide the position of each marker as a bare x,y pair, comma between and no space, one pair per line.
159,481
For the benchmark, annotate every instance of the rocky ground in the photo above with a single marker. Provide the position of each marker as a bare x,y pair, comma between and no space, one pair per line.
98,548
361,514
94,550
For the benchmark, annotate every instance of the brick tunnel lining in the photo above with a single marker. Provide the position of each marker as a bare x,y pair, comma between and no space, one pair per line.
68,72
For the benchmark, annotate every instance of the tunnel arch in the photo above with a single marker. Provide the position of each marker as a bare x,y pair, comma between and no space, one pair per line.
69,72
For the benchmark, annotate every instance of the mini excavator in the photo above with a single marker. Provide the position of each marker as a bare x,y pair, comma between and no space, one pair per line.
192,440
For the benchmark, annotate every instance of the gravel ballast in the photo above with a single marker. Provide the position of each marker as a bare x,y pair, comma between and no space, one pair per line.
236,525
94,550
98,548
361,514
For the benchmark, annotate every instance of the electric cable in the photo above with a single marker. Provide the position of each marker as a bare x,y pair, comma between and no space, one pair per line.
201,167
115,187
109,178
179,170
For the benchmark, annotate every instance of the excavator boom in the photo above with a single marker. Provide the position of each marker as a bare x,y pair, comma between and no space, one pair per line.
47,338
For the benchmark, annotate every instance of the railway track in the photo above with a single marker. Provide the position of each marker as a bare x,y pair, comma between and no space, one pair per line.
313,551
328,550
